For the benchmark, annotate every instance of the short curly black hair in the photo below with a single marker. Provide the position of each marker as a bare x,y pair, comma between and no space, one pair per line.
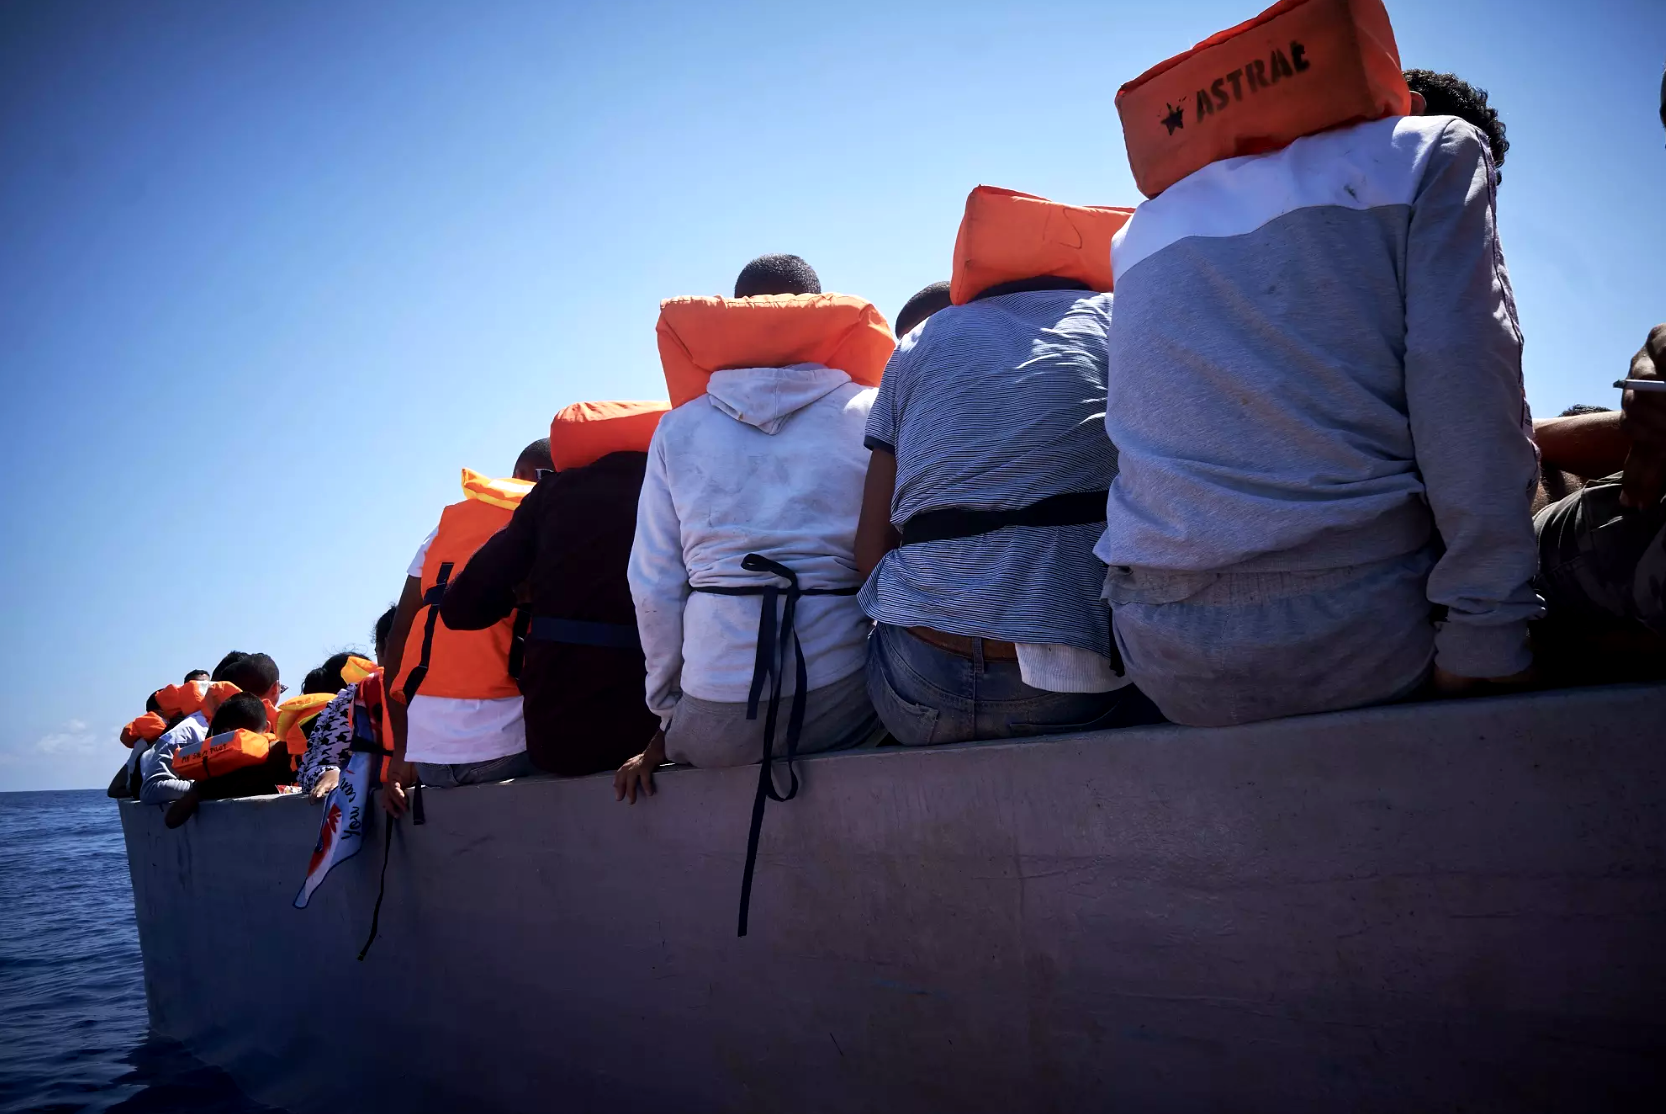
1450,95
777,274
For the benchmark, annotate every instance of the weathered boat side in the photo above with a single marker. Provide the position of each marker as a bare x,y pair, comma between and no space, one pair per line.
1411,908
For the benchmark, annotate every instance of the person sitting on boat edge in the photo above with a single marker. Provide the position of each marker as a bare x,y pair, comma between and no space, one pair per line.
1318,406
745,532
331,734
987,600
562,560
456,712
254,674
238,712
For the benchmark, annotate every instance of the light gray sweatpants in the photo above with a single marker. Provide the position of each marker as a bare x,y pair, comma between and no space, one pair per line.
1213,649
712,734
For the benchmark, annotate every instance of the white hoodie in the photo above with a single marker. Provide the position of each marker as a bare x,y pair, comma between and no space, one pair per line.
769,461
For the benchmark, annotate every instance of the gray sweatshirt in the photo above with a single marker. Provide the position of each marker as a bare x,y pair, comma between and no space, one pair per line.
1315,362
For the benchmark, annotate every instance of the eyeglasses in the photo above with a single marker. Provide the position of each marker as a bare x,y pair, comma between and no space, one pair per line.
282,688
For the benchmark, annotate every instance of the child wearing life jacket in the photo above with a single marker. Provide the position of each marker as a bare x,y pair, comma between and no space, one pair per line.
330,735
568,543
743,568
987,486
253,674
1316,389
456,711
242,717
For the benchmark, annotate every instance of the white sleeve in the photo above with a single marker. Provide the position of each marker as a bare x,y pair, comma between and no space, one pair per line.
421,554
659,586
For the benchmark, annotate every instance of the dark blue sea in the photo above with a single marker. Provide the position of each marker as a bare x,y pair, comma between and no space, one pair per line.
73,1033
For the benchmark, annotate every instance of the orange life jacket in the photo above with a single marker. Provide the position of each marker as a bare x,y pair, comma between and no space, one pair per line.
461,664
191,697
294,714
585,432
1006,235
1300,67
149,727
222,753
698,336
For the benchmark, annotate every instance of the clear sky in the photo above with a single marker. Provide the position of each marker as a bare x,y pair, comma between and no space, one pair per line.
271,274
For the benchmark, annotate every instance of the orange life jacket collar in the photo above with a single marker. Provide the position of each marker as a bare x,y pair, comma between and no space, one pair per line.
585,432
698,336
1300,67
1006,235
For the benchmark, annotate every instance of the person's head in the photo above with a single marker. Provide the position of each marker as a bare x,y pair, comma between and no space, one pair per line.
1579,408
534,457
197,675
238,712
154,705
922,306
384,628
777,274
327,677
226,663
255,674
1445,94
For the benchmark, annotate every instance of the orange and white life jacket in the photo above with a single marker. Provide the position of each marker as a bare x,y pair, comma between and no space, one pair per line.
585,432
1300,67
1006,235
698,336
191,697
222,753
461,664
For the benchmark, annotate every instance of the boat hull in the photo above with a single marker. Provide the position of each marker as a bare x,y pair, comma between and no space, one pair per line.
1411,908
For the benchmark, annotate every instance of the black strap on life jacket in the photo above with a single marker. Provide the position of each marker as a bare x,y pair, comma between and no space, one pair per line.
517,641
431,600
773,638
365,742
577,632
1073,508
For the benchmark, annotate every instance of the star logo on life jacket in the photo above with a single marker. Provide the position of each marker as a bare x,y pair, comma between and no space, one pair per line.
1175,119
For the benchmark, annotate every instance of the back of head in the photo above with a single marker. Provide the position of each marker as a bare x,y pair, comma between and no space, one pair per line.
255,674
226,663
384,627
1446,94
921,306
327,677
777,274
198,675
152,704
242,711
533,458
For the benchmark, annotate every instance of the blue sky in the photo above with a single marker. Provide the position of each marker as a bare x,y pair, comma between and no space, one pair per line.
271,274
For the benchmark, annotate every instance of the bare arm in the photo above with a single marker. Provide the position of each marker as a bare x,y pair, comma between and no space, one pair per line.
1588,445
875,536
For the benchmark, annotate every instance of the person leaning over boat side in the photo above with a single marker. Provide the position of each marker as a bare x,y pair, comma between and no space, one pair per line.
1319,409
239,712
253,674
761,462
456,714
332,731
564,554
993,628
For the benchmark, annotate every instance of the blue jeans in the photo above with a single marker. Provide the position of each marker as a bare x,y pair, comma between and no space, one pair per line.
925,694
442,776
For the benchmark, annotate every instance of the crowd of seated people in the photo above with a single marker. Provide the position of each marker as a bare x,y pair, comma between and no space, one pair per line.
1066,499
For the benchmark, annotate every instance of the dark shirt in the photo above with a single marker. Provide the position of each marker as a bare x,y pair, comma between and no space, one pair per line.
568,542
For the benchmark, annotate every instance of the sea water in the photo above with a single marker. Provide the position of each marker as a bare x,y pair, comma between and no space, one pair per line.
73,1033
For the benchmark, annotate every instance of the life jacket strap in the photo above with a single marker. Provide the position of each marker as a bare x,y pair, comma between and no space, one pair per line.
577,632
773,638
1072,508
431,600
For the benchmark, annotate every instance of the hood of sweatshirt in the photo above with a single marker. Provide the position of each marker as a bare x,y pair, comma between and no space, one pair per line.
765,397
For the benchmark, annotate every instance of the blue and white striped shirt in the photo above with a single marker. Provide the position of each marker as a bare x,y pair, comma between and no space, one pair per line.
995,405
